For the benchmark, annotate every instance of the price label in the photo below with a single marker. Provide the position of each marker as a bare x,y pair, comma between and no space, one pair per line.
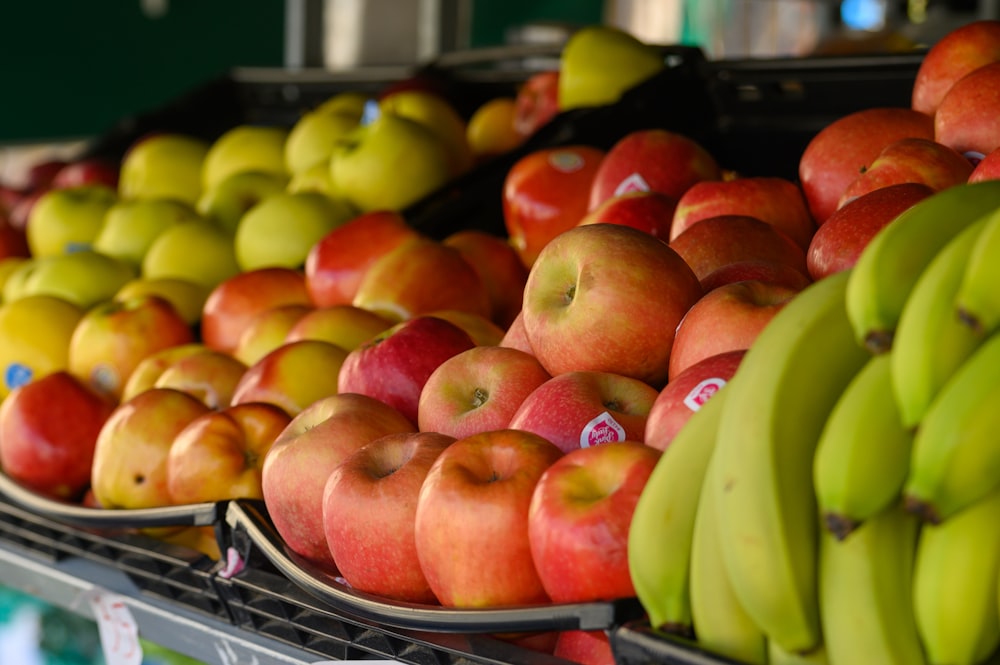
117,629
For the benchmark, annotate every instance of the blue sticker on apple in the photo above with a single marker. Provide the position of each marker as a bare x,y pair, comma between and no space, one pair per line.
16,375
371,112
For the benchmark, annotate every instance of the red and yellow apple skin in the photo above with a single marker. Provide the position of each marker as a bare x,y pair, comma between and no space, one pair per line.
955,54
649,211
966,120
499,267
208,375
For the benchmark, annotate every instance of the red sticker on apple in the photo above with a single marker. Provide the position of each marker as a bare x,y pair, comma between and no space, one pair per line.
566,161
633,183
698,395
602,429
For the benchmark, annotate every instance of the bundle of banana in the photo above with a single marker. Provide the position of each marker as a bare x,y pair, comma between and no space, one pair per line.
838,501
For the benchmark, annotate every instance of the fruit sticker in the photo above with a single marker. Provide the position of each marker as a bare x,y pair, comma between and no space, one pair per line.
698,395
117,628
16,375
602,429
566,161
633,183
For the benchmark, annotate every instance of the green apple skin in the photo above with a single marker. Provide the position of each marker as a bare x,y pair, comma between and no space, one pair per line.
198,251
244,148
388,164
599,63
281,230
312,137
84,278
234,195
130,227
68,220
164,166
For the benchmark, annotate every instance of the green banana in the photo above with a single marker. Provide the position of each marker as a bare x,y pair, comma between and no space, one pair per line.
978,299
659,538
866,592
956,451
931,342
778,656
721,624
863,454
890,264
776,405
954,585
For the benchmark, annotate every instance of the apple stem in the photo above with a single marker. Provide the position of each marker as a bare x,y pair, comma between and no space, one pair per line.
479,397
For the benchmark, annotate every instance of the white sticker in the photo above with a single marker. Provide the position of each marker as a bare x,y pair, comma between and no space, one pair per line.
602,429
117,629
566,161
633,183
696,399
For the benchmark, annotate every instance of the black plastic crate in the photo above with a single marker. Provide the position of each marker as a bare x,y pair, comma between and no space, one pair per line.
636,643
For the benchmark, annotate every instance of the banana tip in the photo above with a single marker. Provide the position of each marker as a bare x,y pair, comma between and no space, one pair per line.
922,509
878,341
839,525
971,320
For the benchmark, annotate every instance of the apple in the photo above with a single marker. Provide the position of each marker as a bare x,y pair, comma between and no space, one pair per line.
311,138
267,331
777,201
130,458
957,53
536,102
187,297
198,251
478,390
84,278
12,265
316,178
757,269
151,367
87,171
652,159
911,160
988,168
686,393
835,155
437,114
227,201
292,376
20,212
482,330
588,304
131,225
219,455
838,243
233,303
500,269
113,337
210,376
164,165
34,338
337,262
471,524
586,408
394,365
726,319
418,277
39,175
389,164
545,193
714,242
579,540
369,514
646,210
490,131
282,228
516,337
598,63
587,647
48,432
13,240
302,457
244,147
966,118
346,326
68,220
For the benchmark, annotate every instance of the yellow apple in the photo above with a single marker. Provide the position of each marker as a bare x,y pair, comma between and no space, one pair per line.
199,251
293,376
226,202
163,166
131,226
350,102
438,115
600,62
480,328
245,148
84,278
346,326
34,338
312,137
208,375
490,131
8,267
14,285
67,220
150,368
267,331
187,297
316,178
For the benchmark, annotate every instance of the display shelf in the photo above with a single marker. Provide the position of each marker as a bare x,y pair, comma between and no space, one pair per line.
636,643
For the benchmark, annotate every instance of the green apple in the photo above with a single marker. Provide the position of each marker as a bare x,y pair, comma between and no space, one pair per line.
350,102
187,297
226,202
312,137
436,114
198,251
67,220
389,164
600,62
280,230
9,266
316,178
166,166
131,226
84,278
245,148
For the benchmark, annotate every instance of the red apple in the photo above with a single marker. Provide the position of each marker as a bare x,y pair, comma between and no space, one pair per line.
516,337
303,456
838,243
728,318
471,524
335,265
482,330
988,168
761,270
652,159
586,647
208,375
499,267
233,303
967,118
536,102
579,540
911,160
219,455
48,433
686,393
837,153
646,210
719,241
86,171
582,409
545,193
13,241
394,365
959,52
478,390
589,303
40,174
20,213
370,510
292,376
777,201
